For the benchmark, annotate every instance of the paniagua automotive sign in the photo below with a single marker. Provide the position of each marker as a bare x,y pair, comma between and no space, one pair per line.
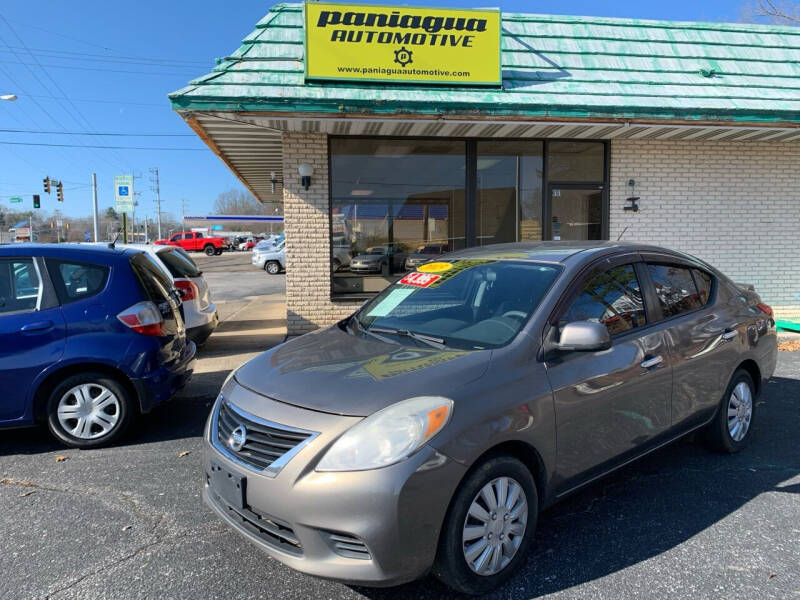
402,44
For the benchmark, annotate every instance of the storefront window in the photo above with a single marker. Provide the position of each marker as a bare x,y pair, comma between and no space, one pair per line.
509,202
393,202
581,162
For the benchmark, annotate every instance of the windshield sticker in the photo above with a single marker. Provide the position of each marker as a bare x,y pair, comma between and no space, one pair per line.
435,267
390,302
419,279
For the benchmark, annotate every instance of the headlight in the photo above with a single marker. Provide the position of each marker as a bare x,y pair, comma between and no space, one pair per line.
388,436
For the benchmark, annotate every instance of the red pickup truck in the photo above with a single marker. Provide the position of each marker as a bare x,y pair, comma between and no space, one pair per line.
194,241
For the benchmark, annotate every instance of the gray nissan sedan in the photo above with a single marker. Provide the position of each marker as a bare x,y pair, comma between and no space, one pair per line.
427,431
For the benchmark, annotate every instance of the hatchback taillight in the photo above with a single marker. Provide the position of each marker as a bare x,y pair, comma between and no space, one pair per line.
766,309
187,289
144,318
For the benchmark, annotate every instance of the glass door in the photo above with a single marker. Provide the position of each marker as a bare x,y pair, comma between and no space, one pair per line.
575,212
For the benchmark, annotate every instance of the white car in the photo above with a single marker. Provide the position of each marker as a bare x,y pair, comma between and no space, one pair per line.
199,312
271,259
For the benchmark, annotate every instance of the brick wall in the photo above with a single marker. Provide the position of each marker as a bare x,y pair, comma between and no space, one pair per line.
736,205
308,303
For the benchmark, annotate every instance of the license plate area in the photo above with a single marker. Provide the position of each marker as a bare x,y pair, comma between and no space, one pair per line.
228,486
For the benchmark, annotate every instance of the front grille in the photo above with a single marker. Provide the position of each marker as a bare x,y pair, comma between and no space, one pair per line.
273,532
268,446
346,545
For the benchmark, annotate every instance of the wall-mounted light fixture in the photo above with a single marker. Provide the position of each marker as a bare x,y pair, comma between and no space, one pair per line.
273,180
632,200
306,171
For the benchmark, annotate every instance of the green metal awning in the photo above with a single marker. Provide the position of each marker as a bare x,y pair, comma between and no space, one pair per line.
553,67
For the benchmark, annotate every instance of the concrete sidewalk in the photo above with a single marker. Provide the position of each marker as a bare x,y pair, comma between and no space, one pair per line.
247,327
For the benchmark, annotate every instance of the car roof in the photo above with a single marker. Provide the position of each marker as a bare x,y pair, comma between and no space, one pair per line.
554,251
86,251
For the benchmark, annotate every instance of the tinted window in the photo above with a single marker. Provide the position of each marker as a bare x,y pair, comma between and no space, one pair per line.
153,279
704,281
76,280
177,265
613,298
470,304
675,289
19,285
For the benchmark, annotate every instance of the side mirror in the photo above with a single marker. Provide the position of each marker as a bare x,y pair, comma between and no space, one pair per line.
584,336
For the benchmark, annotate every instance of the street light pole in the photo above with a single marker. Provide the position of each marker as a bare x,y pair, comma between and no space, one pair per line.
94,207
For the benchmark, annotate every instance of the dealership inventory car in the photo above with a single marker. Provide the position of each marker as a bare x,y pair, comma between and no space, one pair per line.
89,338
425,432
423,254
272,258
384,259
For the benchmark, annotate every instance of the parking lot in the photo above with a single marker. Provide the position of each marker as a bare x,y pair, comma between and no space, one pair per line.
128,522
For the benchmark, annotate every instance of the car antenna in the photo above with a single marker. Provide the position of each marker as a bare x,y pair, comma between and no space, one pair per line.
113,243
623,233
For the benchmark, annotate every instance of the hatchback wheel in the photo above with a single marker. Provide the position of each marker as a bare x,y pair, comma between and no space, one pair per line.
489,526
89,410
273,267
730,429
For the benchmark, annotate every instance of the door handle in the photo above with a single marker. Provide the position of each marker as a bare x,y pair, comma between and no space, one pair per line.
38,326
651,362
729,334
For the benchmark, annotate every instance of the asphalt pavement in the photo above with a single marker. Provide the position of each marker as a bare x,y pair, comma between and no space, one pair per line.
128,522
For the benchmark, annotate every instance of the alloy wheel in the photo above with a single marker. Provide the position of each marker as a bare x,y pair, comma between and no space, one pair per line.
495,526
740,411
88,411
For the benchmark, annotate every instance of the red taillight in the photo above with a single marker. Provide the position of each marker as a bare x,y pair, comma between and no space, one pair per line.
187,289
766,309
144,318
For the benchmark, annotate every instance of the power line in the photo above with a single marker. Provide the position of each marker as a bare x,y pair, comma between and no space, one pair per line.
102,147
92,100
97,133
66,54
186,73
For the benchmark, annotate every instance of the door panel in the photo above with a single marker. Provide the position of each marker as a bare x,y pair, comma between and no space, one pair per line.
610,403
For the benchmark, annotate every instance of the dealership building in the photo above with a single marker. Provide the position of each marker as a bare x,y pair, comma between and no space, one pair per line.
389,131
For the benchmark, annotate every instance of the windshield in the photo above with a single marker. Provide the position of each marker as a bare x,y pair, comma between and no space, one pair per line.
467,304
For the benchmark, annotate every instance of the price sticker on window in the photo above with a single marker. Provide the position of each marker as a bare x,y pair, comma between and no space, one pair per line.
419,279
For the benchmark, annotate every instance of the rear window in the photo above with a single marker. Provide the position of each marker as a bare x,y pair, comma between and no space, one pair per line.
177,265
75,280
151,277
19,285
704,282
675,289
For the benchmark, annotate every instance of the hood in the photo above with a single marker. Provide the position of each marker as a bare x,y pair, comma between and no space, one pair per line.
335,372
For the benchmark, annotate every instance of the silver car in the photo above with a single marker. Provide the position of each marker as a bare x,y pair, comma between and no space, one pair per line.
427,431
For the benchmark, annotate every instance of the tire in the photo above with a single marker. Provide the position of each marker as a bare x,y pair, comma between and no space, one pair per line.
335,265
273,267
209,250
451,565
737,406
218,251
106,425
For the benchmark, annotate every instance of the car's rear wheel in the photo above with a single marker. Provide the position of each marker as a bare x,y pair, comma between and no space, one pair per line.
273,267
731,427
209,250
218,251
89,410
489,526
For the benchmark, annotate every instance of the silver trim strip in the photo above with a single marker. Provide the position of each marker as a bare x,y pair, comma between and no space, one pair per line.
279,463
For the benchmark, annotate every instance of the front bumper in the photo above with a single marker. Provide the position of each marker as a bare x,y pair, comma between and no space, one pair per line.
394,513
366,267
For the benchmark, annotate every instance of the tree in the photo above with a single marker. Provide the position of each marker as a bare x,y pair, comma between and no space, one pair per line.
111,214
783,12
237,202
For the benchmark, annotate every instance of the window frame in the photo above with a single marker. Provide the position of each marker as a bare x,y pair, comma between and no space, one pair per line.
471,191
43,298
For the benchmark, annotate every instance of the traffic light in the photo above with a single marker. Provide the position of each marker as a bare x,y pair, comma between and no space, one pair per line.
60,188
46,182
36,203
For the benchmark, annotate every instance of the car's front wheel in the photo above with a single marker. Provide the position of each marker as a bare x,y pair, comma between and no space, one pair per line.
730,429
273,267
89,410
489,526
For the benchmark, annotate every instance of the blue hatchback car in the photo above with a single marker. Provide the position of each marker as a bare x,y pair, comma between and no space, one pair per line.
90,337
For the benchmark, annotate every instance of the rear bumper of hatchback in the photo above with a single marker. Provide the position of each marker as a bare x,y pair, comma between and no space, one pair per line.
200,333
378,527
160,385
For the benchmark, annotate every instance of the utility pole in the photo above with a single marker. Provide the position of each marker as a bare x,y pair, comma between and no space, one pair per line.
157,189
94,207
183,213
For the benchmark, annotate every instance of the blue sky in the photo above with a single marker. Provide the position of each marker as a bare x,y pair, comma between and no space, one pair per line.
91,66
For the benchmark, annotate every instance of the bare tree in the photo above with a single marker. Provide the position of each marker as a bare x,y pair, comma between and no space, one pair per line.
784,12
237,202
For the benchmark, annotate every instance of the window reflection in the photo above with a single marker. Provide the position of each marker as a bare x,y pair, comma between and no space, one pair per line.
392,201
